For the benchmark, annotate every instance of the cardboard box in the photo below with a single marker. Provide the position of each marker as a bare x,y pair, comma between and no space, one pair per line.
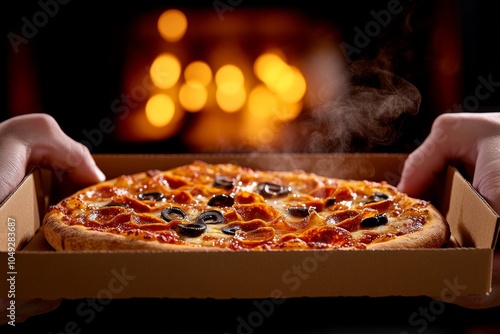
465,267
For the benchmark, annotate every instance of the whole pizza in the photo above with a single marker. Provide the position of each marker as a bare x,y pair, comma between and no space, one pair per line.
228,207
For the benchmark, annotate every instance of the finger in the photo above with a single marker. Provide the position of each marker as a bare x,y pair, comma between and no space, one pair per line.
423,165
13,169
56,150
445,143
73,161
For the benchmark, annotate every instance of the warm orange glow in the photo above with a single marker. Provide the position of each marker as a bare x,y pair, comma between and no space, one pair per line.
261,103
291,86
269,67
265,114
165,70
230,98
193,96
288,111
198,71
259,116
286,81
160,110
230,94
172,25
230,77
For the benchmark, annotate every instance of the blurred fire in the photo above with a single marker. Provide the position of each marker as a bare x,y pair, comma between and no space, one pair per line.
220,85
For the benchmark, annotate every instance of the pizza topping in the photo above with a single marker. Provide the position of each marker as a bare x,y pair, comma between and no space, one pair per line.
255,237
183,197
221,200
322,237
225,182
173,213
132,203
151,196
377,197
210,217
269,190
105,214
192,229
231,230
380,205
246,197
330,201
257,211
377,220
299,211
117,204
253,209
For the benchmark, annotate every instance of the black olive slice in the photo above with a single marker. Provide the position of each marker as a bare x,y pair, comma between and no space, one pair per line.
117,204
374,221
268,189
152,196
221,200
377,197
170,214
231,230
192,229
330,201
298,211
210,217
224,182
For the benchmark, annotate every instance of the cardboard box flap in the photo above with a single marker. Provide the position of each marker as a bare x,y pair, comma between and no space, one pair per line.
467,205
19,226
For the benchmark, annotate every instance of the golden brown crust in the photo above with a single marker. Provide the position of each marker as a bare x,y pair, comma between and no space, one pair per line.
77,238
433,233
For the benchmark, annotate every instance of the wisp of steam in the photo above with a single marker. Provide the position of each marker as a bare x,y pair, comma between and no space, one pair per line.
368,113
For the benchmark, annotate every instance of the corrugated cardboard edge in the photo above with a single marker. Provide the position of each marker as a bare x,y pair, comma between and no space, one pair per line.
483,225
24,223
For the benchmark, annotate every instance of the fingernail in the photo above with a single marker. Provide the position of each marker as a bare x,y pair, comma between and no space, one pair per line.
100,174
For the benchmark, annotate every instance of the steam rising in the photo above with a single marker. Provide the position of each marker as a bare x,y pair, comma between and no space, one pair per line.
366,114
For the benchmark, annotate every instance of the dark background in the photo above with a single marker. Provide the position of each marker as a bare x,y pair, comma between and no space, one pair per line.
74,63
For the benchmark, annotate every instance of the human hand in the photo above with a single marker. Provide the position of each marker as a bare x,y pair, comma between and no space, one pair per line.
471,140
27,141
37,139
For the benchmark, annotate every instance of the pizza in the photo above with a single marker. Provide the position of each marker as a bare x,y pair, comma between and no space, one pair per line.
204,206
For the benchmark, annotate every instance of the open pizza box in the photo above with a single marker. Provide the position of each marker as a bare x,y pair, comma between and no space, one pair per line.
464,267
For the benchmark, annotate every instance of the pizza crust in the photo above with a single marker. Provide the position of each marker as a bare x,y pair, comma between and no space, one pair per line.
78,238
434,234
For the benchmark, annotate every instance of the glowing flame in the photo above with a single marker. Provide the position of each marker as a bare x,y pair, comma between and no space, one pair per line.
160,110
198,71
230,94
193,96
165,70
172,25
